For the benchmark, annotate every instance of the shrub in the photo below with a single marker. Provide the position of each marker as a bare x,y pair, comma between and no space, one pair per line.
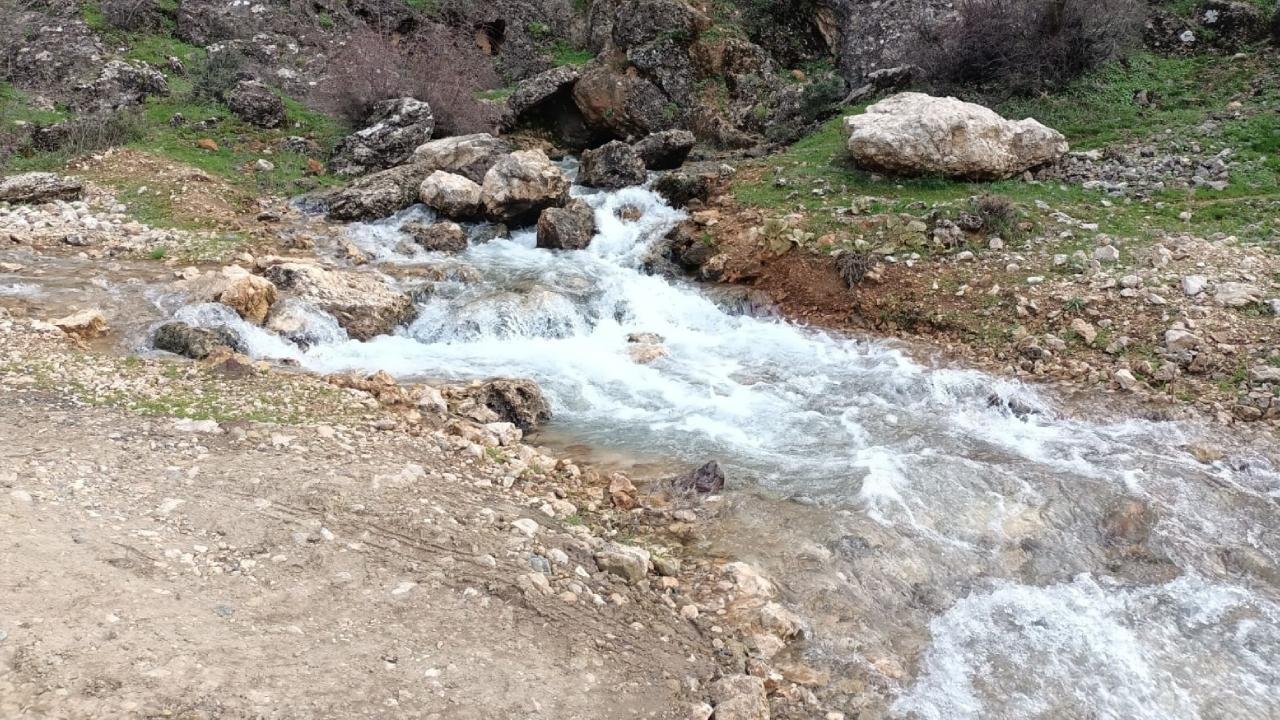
434,64
132,15
217,74
1006,47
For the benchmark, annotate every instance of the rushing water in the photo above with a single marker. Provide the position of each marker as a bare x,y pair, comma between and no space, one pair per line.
958,558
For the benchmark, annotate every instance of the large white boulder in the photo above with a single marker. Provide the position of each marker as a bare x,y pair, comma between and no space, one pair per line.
521,185
918,134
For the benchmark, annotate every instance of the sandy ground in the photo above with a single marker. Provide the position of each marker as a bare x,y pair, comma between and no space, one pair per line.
150,571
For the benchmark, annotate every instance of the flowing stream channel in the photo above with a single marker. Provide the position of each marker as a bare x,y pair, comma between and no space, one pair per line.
963,546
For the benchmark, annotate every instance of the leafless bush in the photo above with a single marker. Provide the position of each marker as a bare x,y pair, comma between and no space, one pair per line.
132,15
434,64
1025,46
90,133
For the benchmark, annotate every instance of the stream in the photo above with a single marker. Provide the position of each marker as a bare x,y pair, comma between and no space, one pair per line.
963,546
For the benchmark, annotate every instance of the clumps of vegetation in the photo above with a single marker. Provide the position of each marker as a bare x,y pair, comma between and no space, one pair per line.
434,64
998,213
853,267
140,16
216,75
1022,47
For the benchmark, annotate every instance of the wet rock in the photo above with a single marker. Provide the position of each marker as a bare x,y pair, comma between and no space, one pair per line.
740,697
85,324
378,195
665,150
453,196
437,237
363,304
1130,522
249,295
612,166
913,134
297,322
626,561
119,85
40,187
396,128
646,353
180,338
519,402
470,156
568,228
705,480
256,104
521,185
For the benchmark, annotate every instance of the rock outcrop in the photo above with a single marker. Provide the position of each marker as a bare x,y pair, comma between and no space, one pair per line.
119,85
396,129
917,134
612,166
568,228
363,304
665,150
521,185
40,187
451,195
256,104
621,104
470,156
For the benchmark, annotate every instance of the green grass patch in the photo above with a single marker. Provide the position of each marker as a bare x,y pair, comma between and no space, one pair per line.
563,54
16,107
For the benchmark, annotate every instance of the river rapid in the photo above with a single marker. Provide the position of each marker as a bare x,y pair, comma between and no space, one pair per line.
963,546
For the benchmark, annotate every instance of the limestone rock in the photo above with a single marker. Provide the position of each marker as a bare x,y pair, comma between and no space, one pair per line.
533,92
626,561
396,129
378,194
519,402
256,104
521,185
470,156
915,134
1237,294
454,196
196,343
740,697
85,324
438,237
39,187
249,295
612,166
665,150
620,104
363,304
568,228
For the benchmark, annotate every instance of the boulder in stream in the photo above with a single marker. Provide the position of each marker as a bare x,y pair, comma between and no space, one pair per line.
196,343
451,195
705,480
568,228
470,156
249,295
379,194
521,185
84,325
437,237
612,166
363,304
